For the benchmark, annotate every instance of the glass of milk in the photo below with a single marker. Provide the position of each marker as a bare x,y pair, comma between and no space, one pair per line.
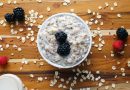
10,82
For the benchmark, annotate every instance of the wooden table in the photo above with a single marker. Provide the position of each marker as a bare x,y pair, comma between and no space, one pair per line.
97,59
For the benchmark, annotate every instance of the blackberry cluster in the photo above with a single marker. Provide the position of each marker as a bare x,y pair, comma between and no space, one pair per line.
17,15
64,46
122,34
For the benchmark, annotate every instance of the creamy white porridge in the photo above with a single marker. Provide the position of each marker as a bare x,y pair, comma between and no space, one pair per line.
77,35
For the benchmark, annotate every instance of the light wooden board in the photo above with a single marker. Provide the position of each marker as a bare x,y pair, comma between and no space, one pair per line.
98,62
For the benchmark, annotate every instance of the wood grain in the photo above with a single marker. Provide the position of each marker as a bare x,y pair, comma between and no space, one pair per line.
98,62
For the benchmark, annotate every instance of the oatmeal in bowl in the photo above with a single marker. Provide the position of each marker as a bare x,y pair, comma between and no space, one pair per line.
64,40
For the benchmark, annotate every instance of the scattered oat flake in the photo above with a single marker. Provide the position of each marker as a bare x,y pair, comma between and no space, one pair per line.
9,1
106,4
113,85
112,54
71,10
41,16
19,49
41,63
31,75
15,2
123,74
48,9
102,80
100,84
113,67
106,87
115,4
89,11
99,16
100,7
111,8
118,15
40,79
122,69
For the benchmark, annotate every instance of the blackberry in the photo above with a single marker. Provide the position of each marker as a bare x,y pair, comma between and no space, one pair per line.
122,34
19,14
9,17
61,37
64,49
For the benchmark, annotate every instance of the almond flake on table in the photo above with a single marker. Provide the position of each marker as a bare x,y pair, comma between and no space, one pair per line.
128,63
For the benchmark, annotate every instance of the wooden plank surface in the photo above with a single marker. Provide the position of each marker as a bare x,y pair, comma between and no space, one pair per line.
98,62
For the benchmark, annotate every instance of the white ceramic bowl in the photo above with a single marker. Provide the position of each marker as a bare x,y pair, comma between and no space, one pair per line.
10,82
41,30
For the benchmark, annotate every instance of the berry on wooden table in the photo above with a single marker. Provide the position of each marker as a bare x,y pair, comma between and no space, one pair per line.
9,17
122,34
3,60
118,46
19,14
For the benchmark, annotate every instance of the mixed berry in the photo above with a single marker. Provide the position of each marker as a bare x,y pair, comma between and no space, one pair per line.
17,15
122,34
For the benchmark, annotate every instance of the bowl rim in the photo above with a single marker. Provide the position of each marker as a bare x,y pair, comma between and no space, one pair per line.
16,79
85,25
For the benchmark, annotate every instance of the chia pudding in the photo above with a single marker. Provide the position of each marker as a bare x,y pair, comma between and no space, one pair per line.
78,37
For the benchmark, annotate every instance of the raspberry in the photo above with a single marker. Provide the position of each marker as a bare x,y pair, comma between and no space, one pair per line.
118,46
9,17
3,60
61,37
64,49
19,14
122,34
